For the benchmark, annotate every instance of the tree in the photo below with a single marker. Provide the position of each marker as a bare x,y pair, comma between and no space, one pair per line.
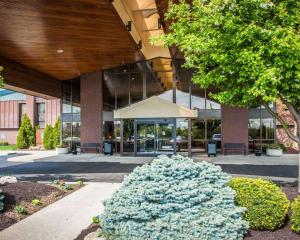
29,130
247,50
22,141
26,134
48,137
56,133
1,78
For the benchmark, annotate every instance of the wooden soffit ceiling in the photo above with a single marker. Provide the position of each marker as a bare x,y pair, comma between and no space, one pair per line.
64,38
145,24
162,7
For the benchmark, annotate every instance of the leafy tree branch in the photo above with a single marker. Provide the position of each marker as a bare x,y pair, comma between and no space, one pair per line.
1,78
282,121
247,51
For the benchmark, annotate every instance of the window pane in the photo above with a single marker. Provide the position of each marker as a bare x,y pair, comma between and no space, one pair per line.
41,114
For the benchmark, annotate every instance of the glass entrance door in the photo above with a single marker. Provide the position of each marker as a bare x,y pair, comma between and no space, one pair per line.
164,138
145,137
154,137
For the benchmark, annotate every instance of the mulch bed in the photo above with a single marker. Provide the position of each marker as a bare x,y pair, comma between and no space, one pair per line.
22,193
87,231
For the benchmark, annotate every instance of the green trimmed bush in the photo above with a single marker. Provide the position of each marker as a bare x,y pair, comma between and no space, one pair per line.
174,198
1,200
267,205
295,216
26,134
56,133
48,137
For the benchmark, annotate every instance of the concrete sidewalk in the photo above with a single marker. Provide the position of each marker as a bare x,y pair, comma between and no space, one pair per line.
64,219
26,155
251,159
92,157
19,156
52,157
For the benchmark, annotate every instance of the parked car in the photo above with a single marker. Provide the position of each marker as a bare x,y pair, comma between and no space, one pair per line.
217,137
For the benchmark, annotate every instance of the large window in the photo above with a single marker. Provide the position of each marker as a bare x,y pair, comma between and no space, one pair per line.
71,113
22,111
128,127
41,115
261,128
168,79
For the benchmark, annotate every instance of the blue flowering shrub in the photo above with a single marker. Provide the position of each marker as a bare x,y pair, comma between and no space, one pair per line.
174,198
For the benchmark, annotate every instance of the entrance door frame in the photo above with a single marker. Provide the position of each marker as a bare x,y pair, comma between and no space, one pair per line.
155,121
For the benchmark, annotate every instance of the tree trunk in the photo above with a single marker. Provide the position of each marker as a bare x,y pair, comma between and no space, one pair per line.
299,168
298,164
298,135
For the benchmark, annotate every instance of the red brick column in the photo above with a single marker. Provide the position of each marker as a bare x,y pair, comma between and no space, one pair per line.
234,126
91,103
31,109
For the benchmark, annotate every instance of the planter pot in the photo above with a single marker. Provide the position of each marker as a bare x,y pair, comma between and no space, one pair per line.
62,150
274,152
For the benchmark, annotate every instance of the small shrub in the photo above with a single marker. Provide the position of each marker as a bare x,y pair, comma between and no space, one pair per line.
277,146
3,143
264,147
20,210
295,216
55,182
1,200
48,137
266,204
174,198
36,202
62,185
80,183
66,187
96,220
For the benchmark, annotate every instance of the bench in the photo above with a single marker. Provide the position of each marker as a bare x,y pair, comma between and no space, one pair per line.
85,147
234,147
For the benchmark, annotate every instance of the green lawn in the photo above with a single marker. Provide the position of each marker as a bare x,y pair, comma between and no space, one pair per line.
8,147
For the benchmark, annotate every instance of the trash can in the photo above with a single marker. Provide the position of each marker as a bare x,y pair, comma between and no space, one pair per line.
108,148
258,153
212,149
74,148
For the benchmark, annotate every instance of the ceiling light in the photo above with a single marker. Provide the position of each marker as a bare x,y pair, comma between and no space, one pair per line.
60,51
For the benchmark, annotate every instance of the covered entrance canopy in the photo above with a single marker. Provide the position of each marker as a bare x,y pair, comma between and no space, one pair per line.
154,107
155,125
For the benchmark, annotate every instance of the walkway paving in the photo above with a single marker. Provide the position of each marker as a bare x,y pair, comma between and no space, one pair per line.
100,168
50,156
286,159
26,155
114,172
64,219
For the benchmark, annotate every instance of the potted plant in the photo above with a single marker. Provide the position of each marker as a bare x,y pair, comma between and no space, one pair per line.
275,150
61,149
